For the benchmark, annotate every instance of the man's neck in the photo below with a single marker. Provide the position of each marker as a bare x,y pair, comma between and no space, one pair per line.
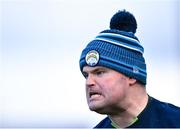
137,103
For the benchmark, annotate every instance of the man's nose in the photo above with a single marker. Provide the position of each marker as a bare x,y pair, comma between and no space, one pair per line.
90,80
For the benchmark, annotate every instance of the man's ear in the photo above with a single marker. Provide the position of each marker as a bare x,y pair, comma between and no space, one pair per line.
132,81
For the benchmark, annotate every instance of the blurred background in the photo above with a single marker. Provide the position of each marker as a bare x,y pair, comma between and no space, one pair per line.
40,45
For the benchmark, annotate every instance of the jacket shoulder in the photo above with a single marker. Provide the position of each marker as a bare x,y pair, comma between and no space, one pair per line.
169,114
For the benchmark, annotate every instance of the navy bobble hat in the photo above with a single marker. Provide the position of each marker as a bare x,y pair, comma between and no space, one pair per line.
117,48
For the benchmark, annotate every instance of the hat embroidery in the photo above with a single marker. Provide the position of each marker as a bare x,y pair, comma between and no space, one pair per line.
135,69
92,58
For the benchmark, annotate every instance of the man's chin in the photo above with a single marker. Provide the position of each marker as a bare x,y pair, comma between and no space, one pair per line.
94,107
98,109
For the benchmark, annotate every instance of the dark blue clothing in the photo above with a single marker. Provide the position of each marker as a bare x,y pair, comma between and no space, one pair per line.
157,114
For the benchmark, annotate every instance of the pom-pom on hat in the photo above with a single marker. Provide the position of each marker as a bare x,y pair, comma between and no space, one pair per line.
117,48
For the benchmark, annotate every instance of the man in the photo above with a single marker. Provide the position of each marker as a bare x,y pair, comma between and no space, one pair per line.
115,72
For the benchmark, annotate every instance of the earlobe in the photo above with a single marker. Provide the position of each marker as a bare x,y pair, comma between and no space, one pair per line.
132,81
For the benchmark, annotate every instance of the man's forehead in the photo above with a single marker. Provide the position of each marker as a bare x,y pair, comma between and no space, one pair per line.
89,68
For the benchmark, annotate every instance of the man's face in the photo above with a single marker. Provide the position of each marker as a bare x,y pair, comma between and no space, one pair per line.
106,89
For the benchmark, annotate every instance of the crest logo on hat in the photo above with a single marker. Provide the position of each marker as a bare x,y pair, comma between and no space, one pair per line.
92,58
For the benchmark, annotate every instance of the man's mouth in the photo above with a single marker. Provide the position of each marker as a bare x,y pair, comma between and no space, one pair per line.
93,95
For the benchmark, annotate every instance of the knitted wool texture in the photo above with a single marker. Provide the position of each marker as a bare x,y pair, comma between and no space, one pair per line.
120,51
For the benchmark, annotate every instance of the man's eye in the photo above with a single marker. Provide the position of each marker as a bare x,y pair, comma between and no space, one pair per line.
85,75
100,72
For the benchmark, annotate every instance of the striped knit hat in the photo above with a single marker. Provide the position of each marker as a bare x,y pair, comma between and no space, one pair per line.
117,48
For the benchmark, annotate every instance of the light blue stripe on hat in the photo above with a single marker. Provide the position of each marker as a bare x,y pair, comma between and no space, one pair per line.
120,36
120,44
121,40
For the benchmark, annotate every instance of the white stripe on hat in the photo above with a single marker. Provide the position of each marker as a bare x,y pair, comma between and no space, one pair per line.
120,36
122,45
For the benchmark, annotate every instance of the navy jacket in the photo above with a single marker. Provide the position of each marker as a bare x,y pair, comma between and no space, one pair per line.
157,114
